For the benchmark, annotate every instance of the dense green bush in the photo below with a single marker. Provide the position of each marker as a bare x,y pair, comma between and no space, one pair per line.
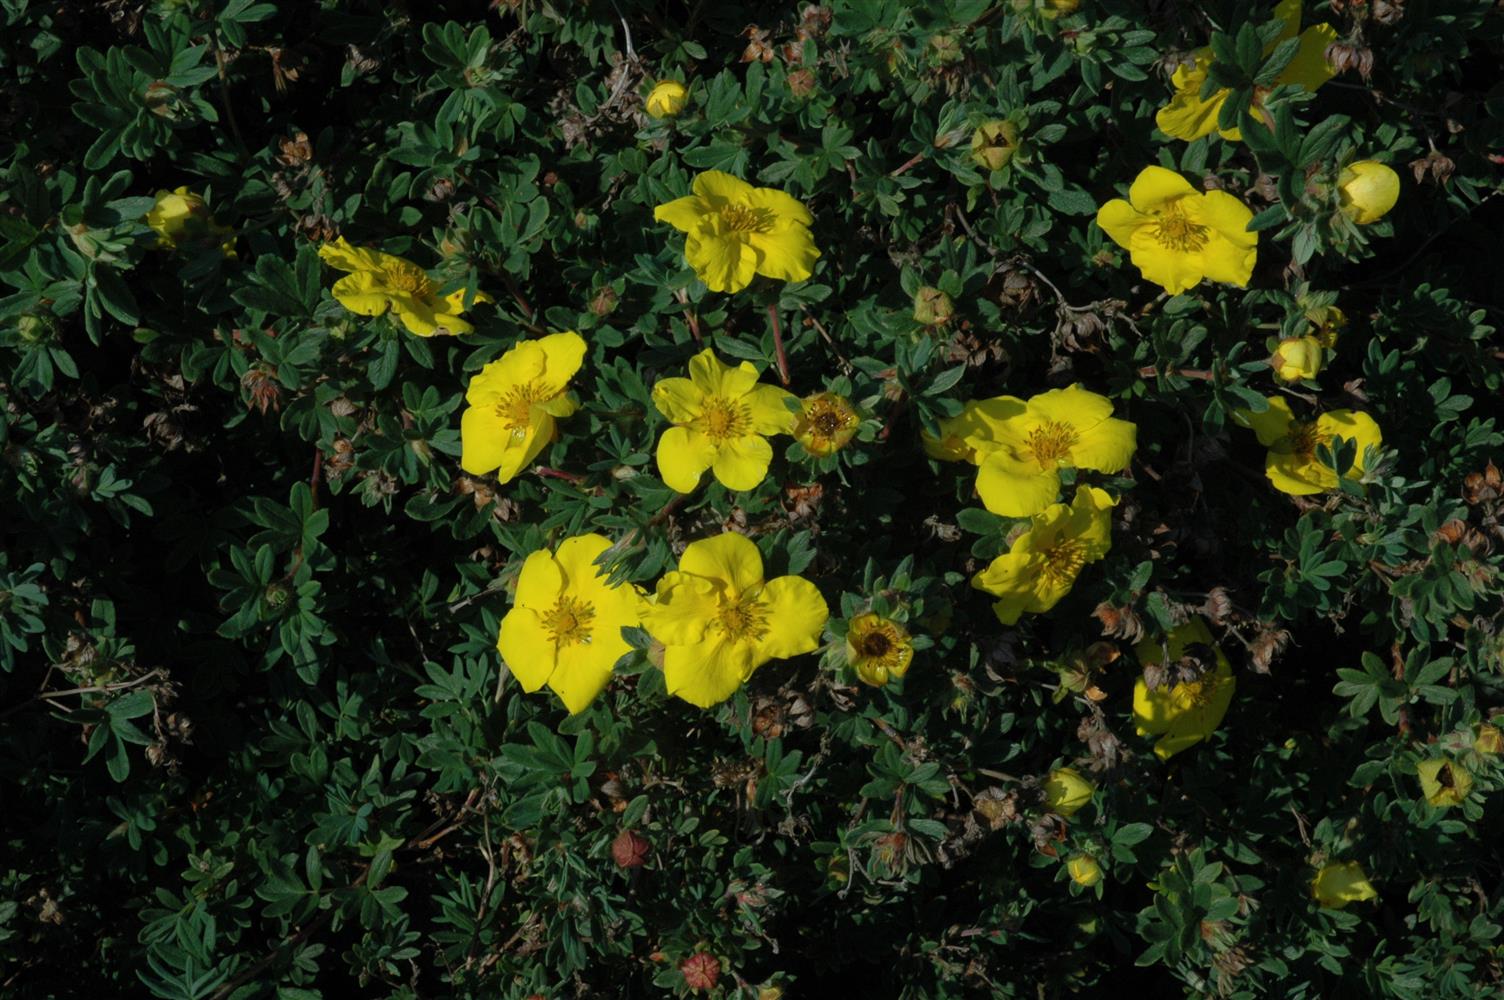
257,738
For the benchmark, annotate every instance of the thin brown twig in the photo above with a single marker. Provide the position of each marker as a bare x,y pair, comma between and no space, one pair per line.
783,360
48,696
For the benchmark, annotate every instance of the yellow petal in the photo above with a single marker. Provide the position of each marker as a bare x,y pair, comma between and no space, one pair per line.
576,558
518,452
360,294
718,379
678,399
1120,220
527,648
1297,477
1073,406
1173,270
341,255
684,607
785,207
683,456
1309,68
1271,426
563,354
1107,447
742,463
1016,488
419,317
1288,13
540,583
725,264
787,253
1155,187
796,617
584,669
707,672
1340,883
727,558
718,188
769,409
483,440
684,214
1355,425
1188,117
1368,191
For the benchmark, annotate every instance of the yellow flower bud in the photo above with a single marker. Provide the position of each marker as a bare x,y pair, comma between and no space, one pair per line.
1060,8
1296,358
1490,739
1343,882
1443,783
1066,791
994,143
1084,870
1368,190
667,99
180,218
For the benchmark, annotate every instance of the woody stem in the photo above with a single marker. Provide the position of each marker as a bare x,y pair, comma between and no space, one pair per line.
783,360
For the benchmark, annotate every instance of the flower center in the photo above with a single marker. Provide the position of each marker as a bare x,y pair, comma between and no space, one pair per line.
745,219
568,622
744,619
1174,231
1194,694
876,645
1050,442
1063,561
1304,438
409,279
720,419
515,407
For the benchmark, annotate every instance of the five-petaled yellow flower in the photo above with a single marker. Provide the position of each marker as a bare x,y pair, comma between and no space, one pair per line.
1443,783
666,99
719,620
564,629
1066,791
1186,713
1044,561
514,402
721,417
1177,235
1189,116
1367,190
182,220
826,423
380,281
734,231
1026,444
878,648
1292,465
1340,883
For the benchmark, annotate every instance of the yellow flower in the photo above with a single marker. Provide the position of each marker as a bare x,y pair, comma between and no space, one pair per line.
514,402
1490,740
379,281
180,218
827,422
1292,465
1066,791
1186,713
721,417
1340,883
969,435
878,649
564,629
1443,783
1367,191
735,231
1177,235
666,99
1042,565
1296,358
718,620
1188,116
1026,449
1084,870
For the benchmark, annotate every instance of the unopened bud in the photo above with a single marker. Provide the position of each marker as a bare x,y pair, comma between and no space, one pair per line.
994,143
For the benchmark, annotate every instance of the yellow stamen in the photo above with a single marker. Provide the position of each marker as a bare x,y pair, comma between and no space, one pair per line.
745,219
409,279
568,622
720,419
1050,442
1174,231
515,407
743,619
1063,561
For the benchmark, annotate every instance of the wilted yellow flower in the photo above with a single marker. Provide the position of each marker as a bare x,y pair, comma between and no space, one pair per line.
1367,190
734,231
1066,791
514,402
666,99
878,649
827,422
1177,236
1026,444
1186,713
1296,358
1490,740
564,629
1044,561
1443,783
719,620
1292,465
932,307
182,220
379,281
1188,116
721,418
1084,870
994,143
1340,883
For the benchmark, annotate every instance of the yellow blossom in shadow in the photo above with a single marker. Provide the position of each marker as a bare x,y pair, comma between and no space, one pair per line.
1177,236
564,629
1340,883
514,403
1443,783
878,649
1367,190
722,417
1297,358
1189,116
1292,465
1186,713
182,220
719,620
666,99
1084,870
734,232
969,435
1042,564
1066,792
380,281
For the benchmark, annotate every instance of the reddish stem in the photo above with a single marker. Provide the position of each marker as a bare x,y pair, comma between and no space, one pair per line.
568,477
783,360
694,325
